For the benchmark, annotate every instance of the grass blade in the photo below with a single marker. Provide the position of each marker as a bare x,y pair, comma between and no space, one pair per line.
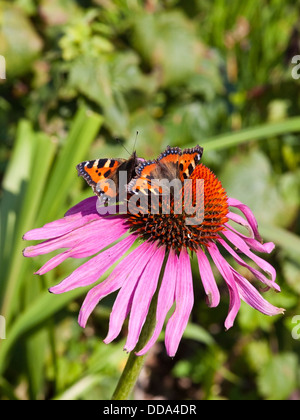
260,132
83,132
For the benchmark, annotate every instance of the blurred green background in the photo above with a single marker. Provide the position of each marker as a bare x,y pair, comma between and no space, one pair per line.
79,75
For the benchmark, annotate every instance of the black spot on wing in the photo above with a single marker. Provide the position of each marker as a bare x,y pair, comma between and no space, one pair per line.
101,163
190,168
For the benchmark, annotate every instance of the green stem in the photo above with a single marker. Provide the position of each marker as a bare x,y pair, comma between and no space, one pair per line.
135,363
129,377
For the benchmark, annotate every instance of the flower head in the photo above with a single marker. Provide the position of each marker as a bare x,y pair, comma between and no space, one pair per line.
154,250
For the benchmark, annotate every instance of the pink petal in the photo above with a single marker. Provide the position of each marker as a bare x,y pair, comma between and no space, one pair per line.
80,250
77,216
237,241
93,269
208,280
232,202
59,227
120,276
143,294
91,205
184,298
253,298
53,262
241,221
124,299
83,208
165,299
85,241
255,272
225,270
253,243
100,237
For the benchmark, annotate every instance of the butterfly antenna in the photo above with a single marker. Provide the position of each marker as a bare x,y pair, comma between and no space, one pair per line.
136,136
118,140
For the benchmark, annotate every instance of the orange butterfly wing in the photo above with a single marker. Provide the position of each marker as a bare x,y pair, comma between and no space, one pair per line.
172,164
97,172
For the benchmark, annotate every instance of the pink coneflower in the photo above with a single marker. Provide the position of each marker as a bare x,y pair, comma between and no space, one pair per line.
155,250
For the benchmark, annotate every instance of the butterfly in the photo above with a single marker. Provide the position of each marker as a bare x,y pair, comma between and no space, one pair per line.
103,175
172,164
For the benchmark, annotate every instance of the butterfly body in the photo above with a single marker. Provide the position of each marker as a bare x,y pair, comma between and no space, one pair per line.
104,175
172,164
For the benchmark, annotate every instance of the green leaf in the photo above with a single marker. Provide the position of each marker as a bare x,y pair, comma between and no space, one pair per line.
191,123
86,125
291,271
258,354
59,12
41,309
36,154
278,378
83,131
167,42
251,320
250,179
36,347
80,388
92,77
195,332
13,191
20,44
126,74
282,237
